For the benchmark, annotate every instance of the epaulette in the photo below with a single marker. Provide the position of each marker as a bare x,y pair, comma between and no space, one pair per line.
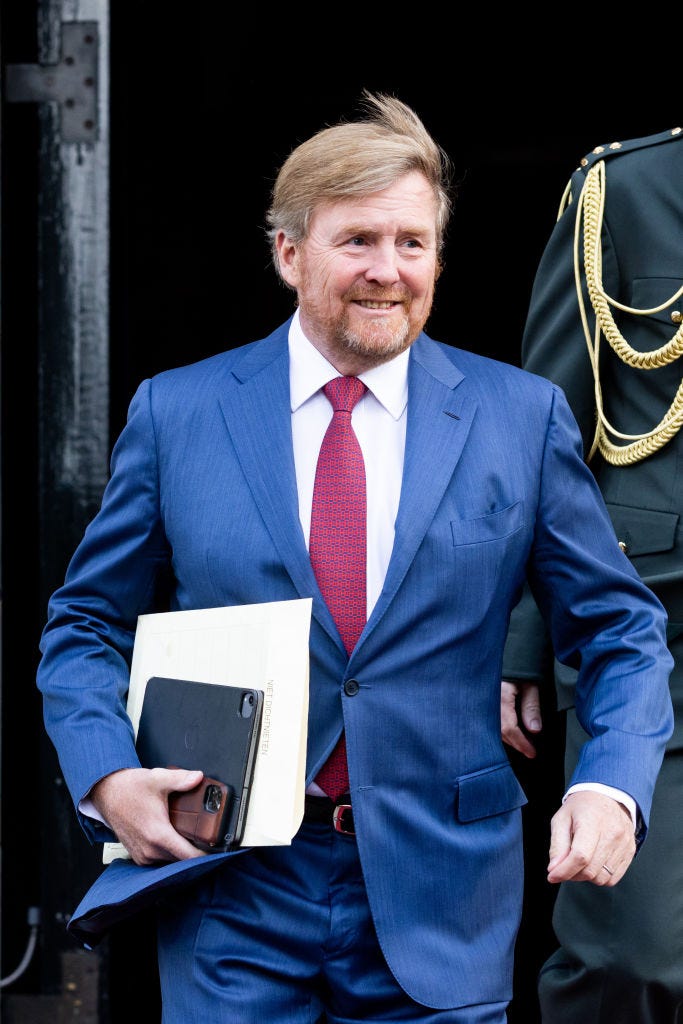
627,146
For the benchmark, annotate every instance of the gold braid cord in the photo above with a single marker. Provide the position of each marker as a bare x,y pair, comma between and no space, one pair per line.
591,204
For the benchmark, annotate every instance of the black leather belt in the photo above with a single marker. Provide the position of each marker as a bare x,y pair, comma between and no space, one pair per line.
323,811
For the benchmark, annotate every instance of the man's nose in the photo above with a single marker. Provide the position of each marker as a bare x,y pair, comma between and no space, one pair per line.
384,265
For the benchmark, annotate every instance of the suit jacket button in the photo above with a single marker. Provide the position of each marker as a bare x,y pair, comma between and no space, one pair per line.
351,687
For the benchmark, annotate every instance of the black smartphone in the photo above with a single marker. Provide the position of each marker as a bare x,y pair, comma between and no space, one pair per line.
213,727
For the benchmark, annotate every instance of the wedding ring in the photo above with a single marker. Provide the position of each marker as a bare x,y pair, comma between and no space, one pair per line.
608,870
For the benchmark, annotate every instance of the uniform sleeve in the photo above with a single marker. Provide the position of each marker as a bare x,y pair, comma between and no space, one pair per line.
554,342
554,346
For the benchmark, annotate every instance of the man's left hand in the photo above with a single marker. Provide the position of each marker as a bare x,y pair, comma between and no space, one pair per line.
591,840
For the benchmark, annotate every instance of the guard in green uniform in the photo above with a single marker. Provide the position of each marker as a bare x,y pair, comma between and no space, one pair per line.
606,323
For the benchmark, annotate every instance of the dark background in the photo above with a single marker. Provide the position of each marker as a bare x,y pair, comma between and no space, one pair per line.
202,115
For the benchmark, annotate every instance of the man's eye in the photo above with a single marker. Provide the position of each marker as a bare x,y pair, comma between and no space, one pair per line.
357,240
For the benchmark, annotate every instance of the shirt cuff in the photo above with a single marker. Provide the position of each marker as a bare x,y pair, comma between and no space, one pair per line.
88,810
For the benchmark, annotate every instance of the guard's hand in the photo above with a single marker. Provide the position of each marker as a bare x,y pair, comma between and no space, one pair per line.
591,840
529,715
134,802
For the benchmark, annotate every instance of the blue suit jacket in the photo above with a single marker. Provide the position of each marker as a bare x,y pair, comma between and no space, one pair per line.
201,510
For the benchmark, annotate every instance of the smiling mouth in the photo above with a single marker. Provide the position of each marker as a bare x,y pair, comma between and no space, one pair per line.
376,304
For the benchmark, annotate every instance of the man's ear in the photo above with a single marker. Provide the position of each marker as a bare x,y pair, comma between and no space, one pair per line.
287,254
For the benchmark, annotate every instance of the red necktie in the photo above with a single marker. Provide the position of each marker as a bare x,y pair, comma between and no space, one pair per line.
337,543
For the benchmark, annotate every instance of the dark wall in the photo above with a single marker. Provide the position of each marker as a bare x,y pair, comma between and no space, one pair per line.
197,143
197,138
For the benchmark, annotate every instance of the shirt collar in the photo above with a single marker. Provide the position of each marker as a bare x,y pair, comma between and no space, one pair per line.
309,371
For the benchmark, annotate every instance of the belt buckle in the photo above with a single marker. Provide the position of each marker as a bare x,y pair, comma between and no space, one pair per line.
342,820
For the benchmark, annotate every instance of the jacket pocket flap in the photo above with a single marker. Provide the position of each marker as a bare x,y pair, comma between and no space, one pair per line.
492,526
643,531
487,792
650,292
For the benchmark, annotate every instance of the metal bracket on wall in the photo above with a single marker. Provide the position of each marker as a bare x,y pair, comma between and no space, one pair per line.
72,83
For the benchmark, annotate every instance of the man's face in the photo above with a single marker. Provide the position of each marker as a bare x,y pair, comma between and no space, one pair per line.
365,274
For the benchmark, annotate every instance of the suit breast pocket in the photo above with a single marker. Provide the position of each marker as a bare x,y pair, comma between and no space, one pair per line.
488,558
491,526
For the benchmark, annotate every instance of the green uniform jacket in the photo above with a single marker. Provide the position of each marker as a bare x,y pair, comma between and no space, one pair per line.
642,267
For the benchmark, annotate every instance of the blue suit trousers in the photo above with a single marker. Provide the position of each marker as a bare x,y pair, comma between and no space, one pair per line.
284,935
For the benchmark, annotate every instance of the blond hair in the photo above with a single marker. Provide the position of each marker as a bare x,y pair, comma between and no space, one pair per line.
357,158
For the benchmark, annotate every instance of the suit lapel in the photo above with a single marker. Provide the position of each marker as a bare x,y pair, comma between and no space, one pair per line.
257,412
440,414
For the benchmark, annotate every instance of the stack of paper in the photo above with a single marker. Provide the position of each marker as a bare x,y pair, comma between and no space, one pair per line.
265,646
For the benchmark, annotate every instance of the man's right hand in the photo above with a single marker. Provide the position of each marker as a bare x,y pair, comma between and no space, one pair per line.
134,803
529,715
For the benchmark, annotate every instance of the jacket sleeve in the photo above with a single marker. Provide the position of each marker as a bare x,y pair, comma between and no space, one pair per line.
603,621
115,574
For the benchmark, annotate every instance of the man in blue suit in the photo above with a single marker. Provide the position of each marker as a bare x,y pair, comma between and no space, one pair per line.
405,907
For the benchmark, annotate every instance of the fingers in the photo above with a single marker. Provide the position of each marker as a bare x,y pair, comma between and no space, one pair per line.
530,707
592,840
178,780
526,694
134,802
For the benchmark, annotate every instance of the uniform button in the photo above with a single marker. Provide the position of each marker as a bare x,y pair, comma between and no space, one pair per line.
615,145
676,131
676,316
599,149
624,546
351,687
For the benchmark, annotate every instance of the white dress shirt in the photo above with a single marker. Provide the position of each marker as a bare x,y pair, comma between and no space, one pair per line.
379,421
